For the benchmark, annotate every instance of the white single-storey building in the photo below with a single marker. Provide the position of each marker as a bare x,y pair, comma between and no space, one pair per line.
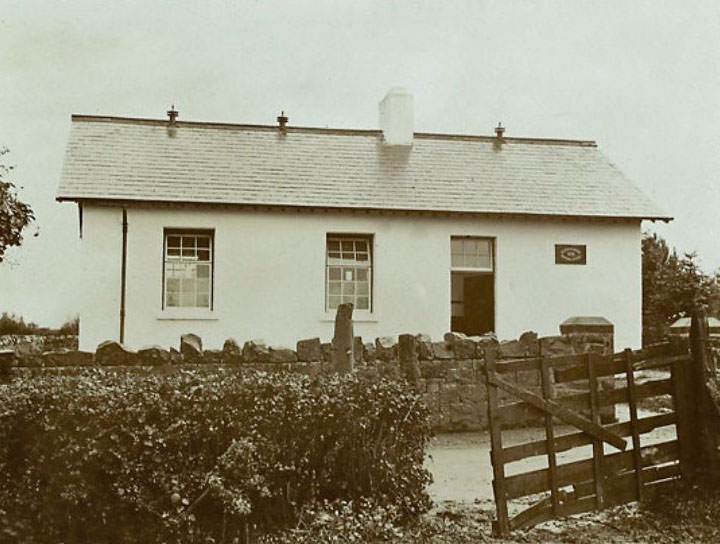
251,231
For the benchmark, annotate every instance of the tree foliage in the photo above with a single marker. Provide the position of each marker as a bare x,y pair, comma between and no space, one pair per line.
673,286
15,215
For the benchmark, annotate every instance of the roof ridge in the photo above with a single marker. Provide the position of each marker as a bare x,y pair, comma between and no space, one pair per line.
324,130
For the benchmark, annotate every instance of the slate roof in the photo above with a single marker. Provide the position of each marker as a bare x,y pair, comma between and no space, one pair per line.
110,158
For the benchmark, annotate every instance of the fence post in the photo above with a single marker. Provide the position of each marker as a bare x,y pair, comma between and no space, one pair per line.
704,415
343,340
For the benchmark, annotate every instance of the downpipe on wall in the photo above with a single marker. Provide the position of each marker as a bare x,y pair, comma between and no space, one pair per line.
123,275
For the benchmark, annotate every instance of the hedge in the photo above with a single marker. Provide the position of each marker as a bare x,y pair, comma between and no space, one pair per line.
200,456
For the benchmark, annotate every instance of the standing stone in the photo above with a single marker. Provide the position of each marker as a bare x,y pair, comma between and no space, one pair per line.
407,353
111,352
153,356
385,348
326,348
358,349
282,355
369,352
231,352
191,347
343,339
309,350
175,357
255,351
424,347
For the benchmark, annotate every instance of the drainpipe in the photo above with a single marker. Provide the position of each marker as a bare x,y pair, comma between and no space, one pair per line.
123,275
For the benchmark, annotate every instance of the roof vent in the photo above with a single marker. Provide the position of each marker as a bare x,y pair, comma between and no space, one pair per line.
396,117
282,122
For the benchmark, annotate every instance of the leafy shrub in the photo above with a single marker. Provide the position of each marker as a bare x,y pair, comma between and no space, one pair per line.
194,456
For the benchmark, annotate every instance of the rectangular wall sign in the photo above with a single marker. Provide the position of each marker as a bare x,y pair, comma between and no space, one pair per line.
570,254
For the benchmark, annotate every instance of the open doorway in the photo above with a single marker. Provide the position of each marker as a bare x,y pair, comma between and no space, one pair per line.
472,285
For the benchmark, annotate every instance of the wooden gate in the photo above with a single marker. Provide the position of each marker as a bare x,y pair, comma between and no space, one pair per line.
606,463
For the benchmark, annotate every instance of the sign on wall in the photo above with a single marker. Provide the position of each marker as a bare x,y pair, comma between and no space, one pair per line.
570,254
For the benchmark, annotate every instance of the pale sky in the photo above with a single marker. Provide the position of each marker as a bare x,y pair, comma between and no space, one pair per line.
642,78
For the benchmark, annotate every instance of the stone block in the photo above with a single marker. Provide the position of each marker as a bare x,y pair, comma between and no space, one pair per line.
432,369
153,356
463,346
232,352
111,352
529,339
442,351
191,347
282,355
424,347
255,351
309,350
175,357
554,346
386,348
212,356
511,349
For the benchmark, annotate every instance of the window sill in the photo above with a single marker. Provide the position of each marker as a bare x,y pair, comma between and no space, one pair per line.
358,317
187,314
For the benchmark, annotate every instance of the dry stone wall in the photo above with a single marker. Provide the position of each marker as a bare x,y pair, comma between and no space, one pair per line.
448,373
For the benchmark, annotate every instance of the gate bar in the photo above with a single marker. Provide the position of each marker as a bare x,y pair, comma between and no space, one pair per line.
598,446
502,527
632,405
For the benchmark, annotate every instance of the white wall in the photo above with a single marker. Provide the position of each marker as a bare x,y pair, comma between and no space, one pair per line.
269,275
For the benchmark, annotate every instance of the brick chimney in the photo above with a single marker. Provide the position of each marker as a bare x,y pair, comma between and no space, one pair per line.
396,117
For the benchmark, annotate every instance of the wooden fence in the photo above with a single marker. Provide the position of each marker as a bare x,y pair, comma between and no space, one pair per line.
610,463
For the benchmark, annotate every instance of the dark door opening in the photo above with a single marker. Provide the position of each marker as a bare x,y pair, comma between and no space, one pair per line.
473,302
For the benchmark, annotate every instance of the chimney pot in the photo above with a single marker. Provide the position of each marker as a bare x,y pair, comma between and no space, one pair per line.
396,117
282,121
172,114
499,130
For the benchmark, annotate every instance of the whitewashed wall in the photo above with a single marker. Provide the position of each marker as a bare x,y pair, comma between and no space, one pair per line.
269,275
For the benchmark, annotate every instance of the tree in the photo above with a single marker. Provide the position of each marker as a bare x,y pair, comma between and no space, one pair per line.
15,215
672,287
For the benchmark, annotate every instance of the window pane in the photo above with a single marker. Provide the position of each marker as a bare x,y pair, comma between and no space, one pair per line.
363,288
203,254
172,299
348,288
348,274
334,273
333,302
334,255
334,288
188,241
361,274
362,256
203,286
203,300
187,285
203,271
361,245
348,298
457,260
188,252
363,303
347,246
456,246
173,241
173,285
173,252
203,241
187,299
333,245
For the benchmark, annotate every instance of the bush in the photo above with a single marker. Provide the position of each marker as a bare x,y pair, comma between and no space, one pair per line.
195,455
12,324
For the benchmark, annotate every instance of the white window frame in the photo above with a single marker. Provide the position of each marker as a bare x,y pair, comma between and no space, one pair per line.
182,254
491,246
349,261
